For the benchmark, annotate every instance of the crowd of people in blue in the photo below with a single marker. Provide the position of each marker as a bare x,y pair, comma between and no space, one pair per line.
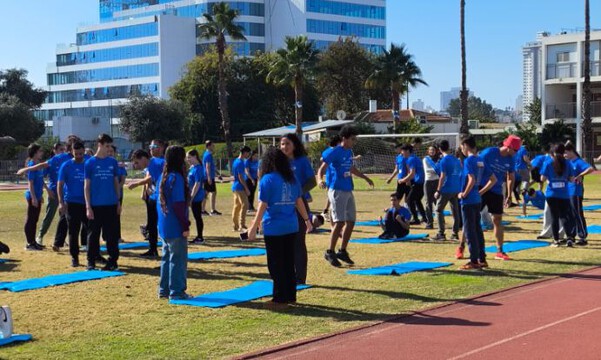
477,186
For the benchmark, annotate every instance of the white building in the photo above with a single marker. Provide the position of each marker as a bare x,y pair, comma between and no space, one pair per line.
532,72
447,96
418,105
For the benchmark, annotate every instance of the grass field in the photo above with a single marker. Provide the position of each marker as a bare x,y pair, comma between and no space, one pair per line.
121,318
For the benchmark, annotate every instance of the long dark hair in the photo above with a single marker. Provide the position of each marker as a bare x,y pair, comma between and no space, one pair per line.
559,162
195,153
274,160
570,147
174,163
299,148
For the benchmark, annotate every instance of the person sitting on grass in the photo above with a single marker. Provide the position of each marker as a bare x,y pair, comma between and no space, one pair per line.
396,223
317,220
535,197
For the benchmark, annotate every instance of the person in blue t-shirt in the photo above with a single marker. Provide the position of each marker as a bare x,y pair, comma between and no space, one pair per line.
240,190
400,172
340,193
72,200
196,178
558,173
449,185
101,174
536,166
522,173
295,151
173,198
280,197
535,197
576,188
33,195
325,169
475,171
396,223
251,169
212,173
415,182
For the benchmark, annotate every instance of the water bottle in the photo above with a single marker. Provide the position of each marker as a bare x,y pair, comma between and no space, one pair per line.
6,322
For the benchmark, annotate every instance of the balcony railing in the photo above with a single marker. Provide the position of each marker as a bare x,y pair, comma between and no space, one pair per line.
595,68
568,110
562,70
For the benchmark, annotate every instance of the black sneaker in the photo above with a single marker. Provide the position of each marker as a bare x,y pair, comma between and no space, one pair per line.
582,242
33,247
343,255
56,248
541,237
4,248
74,262
215,213
570,243
150,254
163,296
110,267
330,256
556,243
455,237
204,213
91,266
415,222
429,226
385,236
197,240
101,260
439,237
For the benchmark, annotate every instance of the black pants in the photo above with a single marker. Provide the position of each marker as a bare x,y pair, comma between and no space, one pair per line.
251,198
78,225
401,191
560,211
414,200
301,259
430,189
119,221
197,212
31,221
152,221
62,229
280,262
105,220
393,227
579,219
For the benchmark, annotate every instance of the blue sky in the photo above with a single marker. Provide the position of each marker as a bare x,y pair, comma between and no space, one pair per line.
496,30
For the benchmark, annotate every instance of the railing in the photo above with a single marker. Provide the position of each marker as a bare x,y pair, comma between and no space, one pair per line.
568,110
595,68
561,70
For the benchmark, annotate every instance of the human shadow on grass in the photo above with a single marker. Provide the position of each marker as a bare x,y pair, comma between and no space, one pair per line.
557,262
191,273
9,265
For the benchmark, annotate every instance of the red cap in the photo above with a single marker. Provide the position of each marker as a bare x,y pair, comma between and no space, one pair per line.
513,142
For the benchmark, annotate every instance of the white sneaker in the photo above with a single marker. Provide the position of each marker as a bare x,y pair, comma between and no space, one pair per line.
83,248
39,240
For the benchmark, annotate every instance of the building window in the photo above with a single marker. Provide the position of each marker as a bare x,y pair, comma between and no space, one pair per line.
563,57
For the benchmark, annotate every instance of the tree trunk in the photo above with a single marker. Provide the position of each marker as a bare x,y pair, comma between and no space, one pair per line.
464,129
222,91
298,105
587,124
395,108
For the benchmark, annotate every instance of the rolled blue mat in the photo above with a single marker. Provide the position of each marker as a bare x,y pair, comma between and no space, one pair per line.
134,245
513,246
368,223
376,240
55,280
594,229
15,338
224,254
252,291
444,212
400,268
591,207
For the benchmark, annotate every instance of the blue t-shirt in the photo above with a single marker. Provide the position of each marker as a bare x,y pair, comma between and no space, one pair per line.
557,186
196,174
537,201
341,161
207,158
520,164
54,165
238,169
102,174
451,167
539,161
578,166
401,166
280,197
155,170
72,174
302,170
38,182
414,163
500,166
403,211
474,165
328,174
253,168
173,189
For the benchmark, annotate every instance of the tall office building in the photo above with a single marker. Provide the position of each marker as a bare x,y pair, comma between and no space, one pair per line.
532,71
447,96
142,47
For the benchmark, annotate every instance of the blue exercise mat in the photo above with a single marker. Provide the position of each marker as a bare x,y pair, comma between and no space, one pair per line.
444,212
252,291
321,231
226,254
513,246
15,338
531,217
55,280
376,240
594,229
2,261
134,245
400,268
368,223
591,207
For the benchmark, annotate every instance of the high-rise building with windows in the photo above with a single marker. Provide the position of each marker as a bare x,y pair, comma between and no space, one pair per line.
142,46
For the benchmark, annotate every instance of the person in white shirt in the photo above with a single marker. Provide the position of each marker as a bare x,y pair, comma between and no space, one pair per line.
431,184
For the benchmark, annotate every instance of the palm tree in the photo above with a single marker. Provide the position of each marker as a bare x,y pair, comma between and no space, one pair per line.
464,128
587,124
294,65
395,70
217,26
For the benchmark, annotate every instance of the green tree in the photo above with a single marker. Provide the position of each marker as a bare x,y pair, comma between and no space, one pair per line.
17,120
464,106
396,72
218,26
14,82
147,117
295,65
528,132
556,132
411,126
534,109
477,108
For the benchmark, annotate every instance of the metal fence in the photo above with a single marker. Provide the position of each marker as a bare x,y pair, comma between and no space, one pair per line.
8,169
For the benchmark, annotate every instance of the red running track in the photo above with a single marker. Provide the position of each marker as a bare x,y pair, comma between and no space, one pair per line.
553,319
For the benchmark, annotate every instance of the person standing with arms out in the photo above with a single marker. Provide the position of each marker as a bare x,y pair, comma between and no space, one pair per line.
240,191
72,200
576,189
340,193
400,171
33,195
415,183
500,161
196,178
101,174
447,189
295,151
173,197
475,171
251,167
558,173
210,187
432,173
280,198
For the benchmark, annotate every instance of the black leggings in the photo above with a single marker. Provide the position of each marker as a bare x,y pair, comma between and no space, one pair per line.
31,221
78,224
301,259
280,262
251,197
197,212
414,200
105,220
152,221
560,210
579,219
